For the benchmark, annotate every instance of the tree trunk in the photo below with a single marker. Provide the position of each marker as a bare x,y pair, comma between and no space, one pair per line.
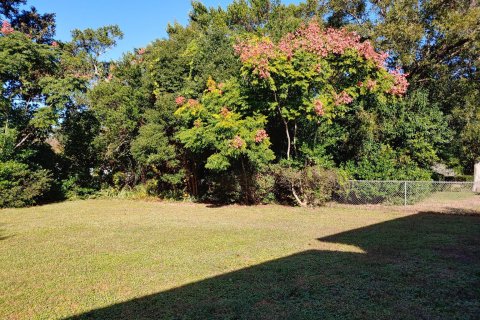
295,139
476,178
285,123
289,142
287,132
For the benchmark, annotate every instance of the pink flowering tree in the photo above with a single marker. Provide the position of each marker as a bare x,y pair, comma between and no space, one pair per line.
314,75
214,126
6,28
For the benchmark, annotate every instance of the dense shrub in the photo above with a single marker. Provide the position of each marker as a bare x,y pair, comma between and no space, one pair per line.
138,192
21,186
75,188
264,184
222,188
307,186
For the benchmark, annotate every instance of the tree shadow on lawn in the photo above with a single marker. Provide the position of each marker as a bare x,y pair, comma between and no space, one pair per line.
423,266
3,235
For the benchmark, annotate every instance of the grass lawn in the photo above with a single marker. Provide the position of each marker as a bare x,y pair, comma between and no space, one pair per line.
447,196
120,259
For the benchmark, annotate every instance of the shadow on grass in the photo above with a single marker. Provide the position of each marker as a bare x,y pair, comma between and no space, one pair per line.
3,235
424,266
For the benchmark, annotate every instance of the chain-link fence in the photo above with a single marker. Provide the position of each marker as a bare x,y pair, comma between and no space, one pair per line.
430,193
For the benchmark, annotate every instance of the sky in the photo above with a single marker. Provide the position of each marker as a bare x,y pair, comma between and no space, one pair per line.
141,21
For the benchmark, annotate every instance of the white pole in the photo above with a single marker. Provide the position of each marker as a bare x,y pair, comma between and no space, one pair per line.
405,189
476,177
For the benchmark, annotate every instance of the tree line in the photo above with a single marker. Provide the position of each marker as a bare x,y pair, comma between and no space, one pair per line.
253,103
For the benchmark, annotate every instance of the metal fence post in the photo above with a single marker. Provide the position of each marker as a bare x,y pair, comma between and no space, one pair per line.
405,189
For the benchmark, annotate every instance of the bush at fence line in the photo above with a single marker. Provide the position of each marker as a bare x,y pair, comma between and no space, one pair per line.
228,188
313,185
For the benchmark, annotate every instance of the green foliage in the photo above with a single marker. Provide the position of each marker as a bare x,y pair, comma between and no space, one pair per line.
118,108
22,65
413,130
7,143
75,187
384,163
416,127
301,79
217,129
21,186
438,46
157,155
93,43
467,117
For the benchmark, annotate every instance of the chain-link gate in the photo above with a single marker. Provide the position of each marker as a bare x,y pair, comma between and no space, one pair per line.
404,192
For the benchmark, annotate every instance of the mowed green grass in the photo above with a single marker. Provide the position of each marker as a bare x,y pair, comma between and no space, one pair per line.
120,259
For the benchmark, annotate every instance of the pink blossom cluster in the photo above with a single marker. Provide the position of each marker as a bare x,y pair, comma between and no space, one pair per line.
193,102
367,50
260,135
55,44
400,85
180,100
342,98
224,112
141,51
258,53
321,42
238,142
318,107
313,38
6,28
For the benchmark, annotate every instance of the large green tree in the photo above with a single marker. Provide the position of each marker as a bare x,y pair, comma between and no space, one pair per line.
437,43
314,74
